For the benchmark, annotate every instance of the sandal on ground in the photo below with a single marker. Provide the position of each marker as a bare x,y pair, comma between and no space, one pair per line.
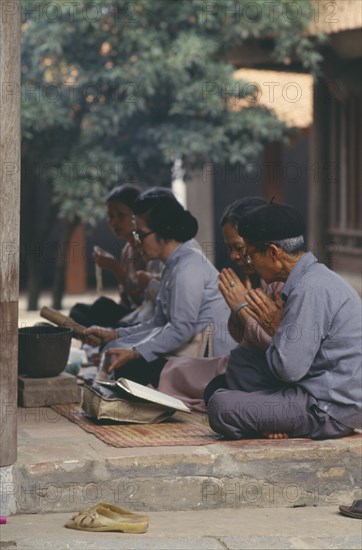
115,509
99,518
353,511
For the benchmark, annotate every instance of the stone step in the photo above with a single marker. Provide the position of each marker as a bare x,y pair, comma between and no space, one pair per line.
62,468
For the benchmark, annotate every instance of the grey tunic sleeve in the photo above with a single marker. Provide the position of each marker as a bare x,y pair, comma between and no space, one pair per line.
298,338
178,305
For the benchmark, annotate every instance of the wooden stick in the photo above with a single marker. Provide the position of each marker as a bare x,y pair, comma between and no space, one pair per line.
63,321
99,279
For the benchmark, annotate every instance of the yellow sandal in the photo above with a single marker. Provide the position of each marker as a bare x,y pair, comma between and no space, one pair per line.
113,508
103,518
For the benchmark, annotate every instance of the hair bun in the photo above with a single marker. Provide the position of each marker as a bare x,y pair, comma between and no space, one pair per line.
166,216
184,227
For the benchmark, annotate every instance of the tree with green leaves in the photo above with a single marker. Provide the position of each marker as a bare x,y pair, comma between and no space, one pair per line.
116,91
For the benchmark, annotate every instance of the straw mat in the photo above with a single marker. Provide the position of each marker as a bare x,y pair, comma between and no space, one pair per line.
180,430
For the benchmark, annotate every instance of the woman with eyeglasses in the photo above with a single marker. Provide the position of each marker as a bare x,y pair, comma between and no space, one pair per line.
234,289
187,379
188,301
137,278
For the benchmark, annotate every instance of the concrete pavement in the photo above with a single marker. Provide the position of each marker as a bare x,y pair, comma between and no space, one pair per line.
278,528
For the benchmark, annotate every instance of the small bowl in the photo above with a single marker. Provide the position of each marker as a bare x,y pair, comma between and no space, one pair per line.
43,350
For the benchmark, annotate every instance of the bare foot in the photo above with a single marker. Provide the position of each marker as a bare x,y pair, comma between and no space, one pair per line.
275,435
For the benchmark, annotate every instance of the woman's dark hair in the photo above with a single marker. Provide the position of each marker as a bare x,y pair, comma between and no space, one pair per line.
126,193
165,215
237,209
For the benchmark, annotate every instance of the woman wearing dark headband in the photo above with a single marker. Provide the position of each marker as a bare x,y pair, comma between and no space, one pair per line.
187,378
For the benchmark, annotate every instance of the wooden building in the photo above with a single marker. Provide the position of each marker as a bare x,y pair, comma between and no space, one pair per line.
321,171
336,145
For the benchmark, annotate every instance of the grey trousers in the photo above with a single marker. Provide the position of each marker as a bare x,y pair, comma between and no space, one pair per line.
255,402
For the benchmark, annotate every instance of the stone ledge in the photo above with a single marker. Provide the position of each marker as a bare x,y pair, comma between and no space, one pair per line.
257,473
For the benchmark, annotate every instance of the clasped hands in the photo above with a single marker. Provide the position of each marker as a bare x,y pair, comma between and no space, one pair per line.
103,259
120,356
267,312
232,288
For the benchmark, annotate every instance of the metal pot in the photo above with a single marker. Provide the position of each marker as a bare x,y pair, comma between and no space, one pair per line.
43,350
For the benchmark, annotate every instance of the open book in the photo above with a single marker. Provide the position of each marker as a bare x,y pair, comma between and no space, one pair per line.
143,392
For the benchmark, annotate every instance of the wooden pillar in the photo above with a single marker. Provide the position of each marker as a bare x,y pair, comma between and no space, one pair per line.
76,268
273,178
9,223
200,202
318,172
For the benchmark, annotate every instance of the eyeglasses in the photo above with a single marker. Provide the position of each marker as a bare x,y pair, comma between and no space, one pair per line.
139,237
236,249
242,252
249,256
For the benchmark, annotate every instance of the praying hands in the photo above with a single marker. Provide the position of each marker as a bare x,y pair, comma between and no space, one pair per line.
266,311
232,289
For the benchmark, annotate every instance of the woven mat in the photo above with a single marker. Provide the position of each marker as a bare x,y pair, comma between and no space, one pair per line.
183,430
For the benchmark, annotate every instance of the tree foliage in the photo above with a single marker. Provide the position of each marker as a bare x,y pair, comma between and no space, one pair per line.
118,90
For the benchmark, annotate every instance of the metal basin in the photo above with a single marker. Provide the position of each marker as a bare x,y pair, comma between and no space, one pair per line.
43,350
